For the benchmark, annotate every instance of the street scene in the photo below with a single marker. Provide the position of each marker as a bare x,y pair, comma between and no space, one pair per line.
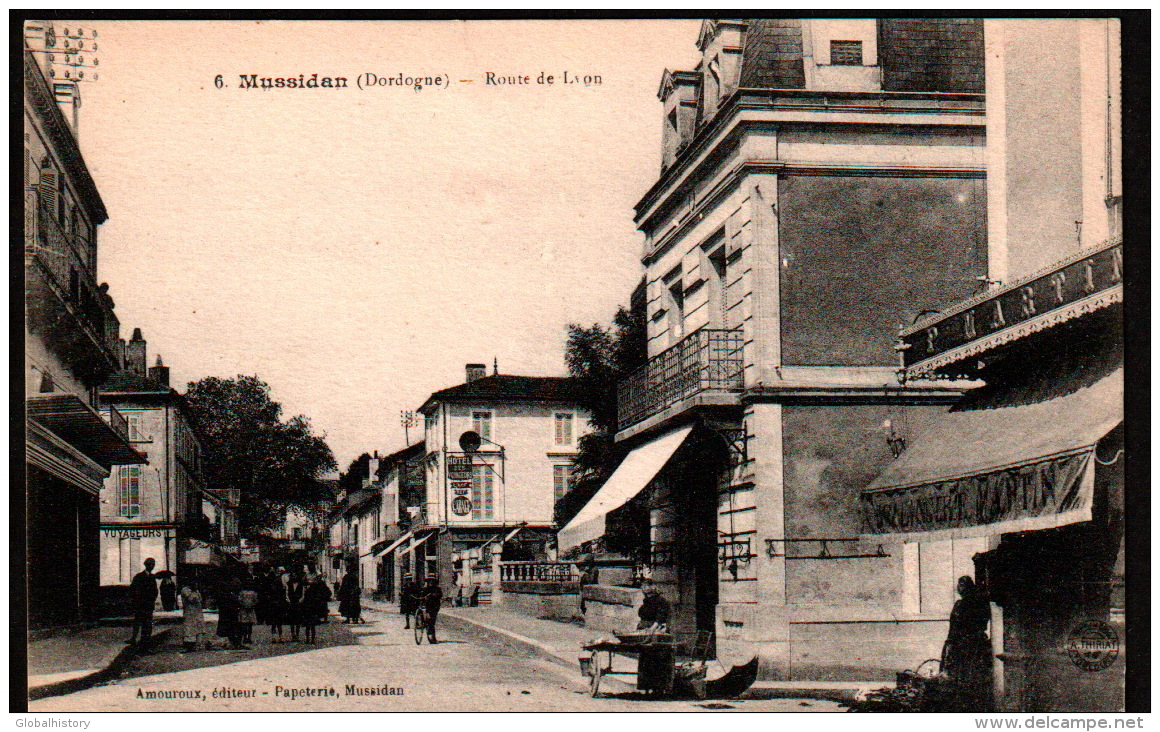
640,365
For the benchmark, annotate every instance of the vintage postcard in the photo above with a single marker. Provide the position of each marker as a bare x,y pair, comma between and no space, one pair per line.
739,364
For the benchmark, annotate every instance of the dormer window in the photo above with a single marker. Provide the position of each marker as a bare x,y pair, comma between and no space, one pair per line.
846,53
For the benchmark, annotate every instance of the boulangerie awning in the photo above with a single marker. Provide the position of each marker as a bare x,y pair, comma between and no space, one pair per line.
635,472
993,471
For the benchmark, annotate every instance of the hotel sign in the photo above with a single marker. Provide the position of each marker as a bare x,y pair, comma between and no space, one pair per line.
1086,282
459,472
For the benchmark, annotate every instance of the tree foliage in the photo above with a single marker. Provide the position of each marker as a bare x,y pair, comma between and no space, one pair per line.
599,358
274,463
352,478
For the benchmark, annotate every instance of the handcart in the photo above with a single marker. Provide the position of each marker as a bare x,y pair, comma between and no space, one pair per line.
676,672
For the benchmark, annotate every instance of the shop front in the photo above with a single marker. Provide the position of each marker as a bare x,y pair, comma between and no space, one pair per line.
1033,463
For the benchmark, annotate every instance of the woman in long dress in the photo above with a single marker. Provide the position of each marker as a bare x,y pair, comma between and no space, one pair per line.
966,656
192,618
276,603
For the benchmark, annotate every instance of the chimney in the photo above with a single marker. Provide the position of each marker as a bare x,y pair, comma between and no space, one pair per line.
373,467
160,372
135,354
476,371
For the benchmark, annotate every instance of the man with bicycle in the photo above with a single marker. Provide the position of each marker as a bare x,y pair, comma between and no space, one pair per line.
432,599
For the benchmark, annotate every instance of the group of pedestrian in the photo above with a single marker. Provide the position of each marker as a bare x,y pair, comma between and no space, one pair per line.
298,598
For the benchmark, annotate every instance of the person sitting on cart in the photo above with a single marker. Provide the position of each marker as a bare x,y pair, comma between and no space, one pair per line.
432,601
655,667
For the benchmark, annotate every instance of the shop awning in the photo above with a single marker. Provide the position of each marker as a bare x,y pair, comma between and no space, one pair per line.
75,422
993,471
638,468
393,545
418,543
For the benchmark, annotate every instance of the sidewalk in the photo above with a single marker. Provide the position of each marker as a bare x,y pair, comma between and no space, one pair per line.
74,659
561,643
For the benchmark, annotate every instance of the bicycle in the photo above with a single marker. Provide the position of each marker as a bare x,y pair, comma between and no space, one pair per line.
420,625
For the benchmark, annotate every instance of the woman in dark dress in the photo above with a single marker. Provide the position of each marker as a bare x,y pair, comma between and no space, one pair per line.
350,598
277,603
966,656
314,605
409,598
295,595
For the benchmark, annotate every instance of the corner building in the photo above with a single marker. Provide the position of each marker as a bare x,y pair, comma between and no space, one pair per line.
822,185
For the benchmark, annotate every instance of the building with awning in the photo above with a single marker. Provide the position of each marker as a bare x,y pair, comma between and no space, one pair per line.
825,183
71,344
1031,464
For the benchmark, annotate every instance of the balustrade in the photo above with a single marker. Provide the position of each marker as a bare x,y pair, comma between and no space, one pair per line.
706,360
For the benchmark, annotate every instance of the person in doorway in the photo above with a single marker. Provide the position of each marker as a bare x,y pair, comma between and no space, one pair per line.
432,600
168,592
142,597
966,655
192,618
315,604
408,599
655,667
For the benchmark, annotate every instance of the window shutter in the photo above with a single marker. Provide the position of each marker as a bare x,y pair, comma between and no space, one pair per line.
47,189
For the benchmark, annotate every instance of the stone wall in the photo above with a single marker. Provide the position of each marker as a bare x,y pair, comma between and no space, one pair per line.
610,608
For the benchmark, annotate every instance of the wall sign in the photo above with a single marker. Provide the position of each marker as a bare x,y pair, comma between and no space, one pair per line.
1053,294
461,506
136,533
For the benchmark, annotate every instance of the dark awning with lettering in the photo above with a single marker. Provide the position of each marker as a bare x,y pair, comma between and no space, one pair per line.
992,471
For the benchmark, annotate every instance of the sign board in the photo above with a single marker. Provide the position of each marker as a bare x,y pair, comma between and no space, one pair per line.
459,467
461,506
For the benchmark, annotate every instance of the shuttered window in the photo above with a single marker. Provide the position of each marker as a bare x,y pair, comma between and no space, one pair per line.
563,478
129,493
563,429
482,493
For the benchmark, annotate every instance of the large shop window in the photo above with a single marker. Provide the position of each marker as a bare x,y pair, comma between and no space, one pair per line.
129,493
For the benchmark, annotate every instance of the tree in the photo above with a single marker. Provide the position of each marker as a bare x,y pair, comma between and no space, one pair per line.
274,463
599,358
354,475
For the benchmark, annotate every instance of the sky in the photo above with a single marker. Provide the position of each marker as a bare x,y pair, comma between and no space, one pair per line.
355,248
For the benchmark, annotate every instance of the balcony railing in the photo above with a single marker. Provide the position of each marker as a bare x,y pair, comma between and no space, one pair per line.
706,360
63,256
118,422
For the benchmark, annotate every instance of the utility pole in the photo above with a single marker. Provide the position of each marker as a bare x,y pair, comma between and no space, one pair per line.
407,420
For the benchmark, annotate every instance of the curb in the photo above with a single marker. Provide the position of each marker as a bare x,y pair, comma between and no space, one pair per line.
544,651
111,664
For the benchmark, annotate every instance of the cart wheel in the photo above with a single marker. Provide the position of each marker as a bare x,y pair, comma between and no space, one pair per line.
594,680
929,668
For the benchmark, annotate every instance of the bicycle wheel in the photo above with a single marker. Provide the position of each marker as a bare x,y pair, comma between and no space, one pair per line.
420,627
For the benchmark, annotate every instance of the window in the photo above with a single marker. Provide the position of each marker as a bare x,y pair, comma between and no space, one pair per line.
563,429
129,491
563,478
482,493
846,53
481,423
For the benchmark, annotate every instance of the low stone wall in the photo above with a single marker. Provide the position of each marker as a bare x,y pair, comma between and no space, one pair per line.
541,602
611,608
